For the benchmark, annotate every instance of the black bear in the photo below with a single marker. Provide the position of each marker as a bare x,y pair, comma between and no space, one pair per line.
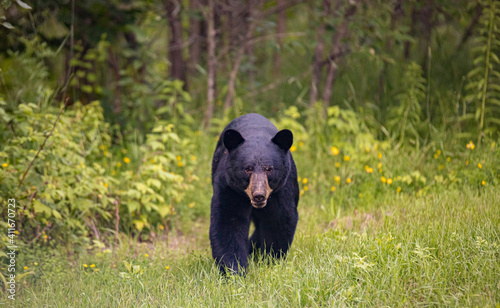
254,178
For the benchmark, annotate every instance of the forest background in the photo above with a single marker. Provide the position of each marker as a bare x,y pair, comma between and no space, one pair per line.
110,112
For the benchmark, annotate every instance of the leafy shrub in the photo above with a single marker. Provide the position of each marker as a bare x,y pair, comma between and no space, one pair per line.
75,186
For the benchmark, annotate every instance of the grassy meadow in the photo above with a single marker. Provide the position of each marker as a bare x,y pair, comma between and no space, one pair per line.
442,249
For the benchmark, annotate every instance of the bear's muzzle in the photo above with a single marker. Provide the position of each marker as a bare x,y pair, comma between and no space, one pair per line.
258,190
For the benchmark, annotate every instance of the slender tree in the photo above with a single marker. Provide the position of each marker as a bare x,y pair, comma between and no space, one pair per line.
212,62
173,9
340,34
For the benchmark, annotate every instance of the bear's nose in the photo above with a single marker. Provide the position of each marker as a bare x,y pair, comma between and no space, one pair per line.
259,198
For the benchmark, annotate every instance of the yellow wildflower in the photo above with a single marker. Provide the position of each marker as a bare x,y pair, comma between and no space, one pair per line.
448,159
470,145
180,164
389,181
436,156
480,166
161,227
348,180
335,151
383,179
367,150
337,164
483,182
332,188
92,265
146,255
306,188
105,185
126,160
194,158
466,162
5,165
398,190
118,164
301,144
438,152
25,267
347,158
441,167
293,148
337,178
379,155
191,205
166,267
16,232
178,157
305,180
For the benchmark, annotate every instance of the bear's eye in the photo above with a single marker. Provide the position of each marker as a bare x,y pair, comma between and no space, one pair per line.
269,169
249,169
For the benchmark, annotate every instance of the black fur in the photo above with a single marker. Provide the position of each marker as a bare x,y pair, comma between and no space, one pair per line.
252,141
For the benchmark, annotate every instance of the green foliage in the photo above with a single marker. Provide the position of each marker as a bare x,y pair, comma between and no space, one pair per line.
484,79
406,117
77,182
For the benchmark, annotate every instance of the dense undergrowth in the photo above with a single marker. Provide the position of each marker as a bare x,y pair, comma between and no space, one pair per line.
84,186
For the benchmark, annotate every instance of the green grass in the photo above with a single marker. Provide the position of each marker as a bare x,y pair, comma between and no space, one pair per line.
441,249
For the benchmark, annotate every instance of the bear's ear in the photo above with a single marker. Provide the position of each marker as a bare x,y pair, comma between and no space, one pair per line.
284,139
232,139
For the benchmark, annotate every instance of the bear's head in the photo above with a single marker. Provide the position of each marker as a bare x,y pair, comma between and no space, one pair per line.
257,164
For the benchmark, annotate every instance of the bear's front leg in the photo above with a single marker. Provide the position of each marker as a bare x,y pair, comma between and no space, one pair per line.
229,226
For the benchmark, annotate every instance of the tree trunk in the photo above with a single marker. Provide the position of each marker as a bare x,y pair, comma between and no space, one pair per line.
115,68
407,44
241,52
212,61
337,38
175,45
194,35
280,28
318,57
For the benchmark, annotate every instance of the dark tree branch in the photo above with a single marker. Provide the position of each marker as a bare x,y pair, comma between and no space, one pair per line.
318,55
279,8
240,54
470,28
43,144
340,34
